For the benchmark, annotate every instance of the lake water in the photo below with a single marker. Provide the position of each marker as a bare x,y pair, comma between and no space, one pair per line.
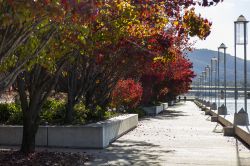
231,104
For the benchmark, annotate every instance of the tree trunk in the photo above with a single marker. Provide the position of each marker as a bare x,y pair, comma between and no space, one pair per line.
30,126
28,141
87,99
70,108
29,135
37,84
31,112
71,94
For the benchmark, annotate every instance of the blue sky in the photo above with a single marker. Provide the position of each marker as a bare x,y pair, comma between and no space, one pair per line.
223,16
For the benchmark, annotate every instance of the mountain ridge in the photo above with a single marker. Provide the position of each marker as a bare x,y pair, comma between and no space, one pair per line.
202,57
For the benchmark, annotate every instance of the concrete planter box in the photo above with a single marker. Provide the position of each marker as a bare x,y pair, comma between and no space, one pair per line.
153,110
171,103
165,106
96,135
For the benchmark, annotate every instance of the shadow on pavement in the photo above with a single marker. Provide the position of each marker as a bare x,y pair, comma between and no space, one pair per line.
128,152
166,115
170,114
178,104
218,128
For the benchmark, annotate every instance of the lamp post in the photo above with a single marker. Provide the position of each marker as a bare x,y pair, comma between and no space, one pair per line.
241,38
196,85
218,78
199,86
214,70
223,108
207,70
204,85
201,95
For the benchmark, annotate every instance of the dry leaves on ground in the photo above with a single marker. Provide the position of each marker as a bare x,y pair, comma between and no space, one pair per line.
44,158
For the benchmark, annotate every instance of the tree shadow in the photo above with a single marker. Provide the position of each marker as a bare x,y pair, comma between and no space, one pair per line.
166,115
217,129
208,118
171,114
176,105
128,152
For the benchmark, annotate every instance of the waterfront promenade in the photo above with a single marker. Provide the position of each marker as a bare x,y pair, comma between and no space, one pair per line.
183,135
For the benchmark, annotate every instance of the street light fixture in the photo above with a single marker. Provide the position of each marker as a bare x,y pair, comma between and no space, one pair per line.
201,88
214,70
198,88
207,70
241,38
204,86
223,109
218,77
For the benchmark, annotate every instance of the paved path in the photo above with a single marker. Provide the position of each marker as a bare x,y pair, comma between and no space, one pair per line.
181,136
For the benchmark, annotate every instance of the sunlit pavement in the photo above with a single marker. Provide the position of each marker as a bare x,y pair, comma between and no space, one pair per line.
183,135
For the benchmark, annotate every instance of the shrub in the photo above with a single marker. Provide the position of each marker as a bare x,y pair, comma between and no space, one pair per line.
127,93
96,114
16,114
11,113
110,114
80,114
4,112
53,112
138,111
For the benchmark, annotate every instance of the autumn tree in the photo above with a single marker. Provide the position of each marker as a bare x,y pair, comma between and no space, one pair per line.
18,22
100,59
40,68
21,20
90,45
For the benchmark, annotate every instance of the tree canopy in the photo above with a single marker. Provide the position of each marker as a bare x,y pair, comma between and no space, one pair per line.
95,50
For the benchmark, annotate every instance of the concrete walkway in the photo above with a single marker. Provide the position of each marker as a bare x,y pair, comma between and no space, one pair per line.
181,136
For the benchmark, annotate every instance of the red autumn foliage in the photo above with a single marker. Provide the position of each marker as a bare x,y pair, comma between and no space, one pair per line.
166,80
179,77
127,93
152,81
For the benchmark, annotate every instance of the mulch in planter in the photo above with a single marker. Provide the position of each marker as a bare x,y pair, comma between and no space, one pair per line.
43,158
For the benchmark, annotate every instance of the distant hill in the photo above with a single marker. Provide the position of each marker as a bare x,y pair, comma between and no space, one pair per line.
202,58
